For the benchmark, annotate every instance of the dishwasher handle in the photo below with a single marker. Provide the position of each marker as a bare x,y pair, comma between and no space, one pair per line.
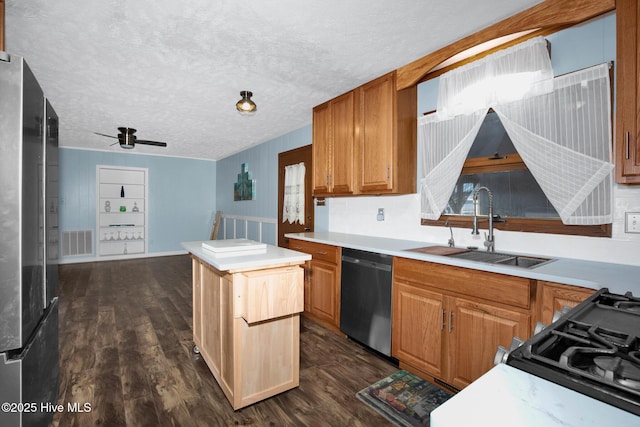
365,263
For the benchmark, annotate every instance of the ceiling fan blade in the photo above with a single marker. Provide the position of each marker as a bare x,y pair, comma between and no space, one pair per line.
157,143
104,134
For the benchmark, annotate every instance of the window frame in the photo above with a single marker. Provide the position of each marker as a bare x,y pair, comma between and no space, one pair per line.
512,162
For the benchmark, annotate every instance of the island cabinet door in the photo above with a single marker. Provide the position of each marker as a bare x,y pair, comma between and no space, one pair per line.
210,346
197,296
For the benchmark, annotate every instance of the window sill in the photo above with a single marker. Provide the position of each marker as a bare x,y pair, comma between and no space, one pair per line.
529,225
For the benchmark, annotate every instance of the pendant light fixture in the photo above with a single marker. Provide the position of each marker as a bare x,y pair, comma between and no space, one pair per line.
246,106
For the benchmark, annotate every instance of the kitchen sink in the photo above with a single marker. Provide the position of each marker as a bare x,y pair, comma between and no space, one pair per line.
501,258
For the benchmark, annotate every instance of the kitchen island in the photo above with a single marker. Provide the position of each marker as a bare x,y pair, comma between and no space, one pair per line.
246,318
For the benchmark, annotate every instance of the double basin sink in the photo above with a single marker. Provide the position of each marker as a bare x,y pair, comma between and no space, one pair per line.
496,258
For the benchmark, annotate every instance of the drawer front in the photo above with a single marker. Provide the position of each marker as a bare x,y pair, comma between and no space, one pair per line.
319,251
501,288
269,294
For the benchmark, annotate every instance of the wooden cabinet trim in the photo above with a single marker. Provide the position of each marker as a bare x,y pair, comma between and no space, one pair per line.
627,144
548,14
551,297
498,288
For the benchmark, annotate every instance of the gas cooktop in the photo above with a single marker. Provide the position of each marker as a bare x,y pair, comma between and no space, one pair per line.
594,349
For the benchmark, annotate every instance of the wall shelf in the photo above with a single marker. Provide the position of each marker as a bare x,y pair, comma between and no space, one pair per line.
121,220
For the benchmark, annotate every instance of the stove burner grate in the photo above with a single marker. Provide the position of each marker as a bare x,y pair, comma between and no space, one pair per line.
617,370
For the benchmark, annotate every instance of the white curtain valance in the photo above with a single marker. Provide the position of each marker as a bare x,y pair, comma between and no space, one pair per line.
518,72
561,128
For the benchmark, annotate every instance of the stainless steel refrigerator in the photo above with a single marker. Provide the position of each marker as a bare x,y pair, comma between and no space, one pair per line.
29,359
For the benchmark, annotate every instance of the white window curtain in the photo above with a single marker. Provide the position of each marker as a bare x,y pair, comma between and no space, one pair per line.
444,144
561,127
564,138
293,206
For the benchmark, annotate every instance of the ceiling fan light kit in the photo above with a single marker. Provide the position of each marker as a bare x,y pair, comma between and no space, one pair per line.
245,105
126,138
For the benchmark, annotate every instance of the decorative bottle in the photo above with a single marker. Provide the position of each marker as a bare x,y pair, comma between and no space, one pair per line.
122,191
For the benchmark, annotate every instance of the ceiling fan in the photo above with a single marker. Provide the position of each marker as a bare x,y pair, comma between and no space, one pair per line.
128,140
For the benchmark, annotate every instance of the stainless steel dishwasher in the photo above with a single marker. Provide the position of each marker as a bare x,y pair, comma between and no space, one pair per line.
365,298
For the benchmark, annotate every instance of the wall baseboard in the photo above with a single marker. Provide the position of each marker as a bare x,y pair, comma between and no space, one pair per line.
78,260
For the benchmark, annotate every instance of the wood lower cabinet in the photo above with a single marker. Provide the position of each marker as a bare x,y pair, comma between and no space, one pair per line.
418,326
554,297
322,282
246,326
476,329
627,145
448,321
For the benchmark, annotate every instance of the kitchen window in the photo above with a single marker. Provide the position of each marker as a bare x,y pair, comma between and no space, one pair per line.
554,136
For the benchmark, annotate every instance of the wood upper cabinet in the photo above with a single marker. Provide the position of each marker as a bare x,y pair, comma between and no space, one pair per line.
321,149
553,297
449,321
365,141
333,146
627,92
387,140
322,282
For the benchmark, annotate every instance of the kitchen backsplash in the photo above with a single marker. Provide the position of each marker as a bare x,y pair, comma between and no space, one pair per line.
358,215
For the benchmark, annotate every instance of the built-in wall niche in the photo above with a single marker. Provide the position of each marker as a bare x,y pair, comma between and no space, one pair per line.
121,223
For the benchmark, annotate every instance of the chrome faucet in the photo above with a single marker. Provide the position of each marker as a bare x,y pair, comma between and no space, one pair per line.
489,241
452,242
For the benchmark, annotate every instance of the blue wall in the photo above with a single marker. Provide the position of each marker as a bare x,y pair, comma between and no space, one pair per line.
182,195
262,164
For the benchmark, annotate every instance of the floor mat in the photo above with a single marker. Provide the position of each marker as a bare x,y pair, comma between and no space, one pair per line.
404,399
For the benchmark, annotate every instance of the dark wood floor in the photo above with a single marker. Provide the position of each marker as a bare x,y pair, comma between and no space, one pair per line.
126,349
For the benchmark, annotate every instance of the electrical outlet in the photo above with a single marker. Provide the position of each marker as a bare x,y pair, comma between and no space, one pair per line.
632,222
380,214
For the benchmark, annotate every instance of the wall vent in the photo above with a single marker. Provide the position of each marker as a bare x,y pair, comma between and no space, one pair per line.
77,242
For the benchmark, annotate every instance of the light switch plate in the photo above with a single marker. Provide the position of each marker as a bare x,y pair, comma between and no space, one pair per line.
632,222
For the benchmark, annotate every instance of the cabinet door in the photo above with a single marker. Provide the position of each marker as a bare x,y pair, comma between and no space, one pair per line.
321,149
342,143
197,301
627,111
555,296
211,318
476,331
322,295
377,133
418,316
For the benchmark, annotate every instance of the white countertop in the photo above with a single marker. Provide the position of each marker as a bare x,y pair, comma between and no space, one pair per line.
271,257
510,397
619,278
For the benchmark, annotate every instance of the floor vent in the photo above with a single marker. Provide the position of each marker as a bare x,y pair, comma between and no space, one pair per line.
77,242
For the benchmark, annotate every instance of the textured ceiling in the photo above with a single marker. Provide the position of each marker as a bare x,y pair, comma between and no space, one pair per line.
174,69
